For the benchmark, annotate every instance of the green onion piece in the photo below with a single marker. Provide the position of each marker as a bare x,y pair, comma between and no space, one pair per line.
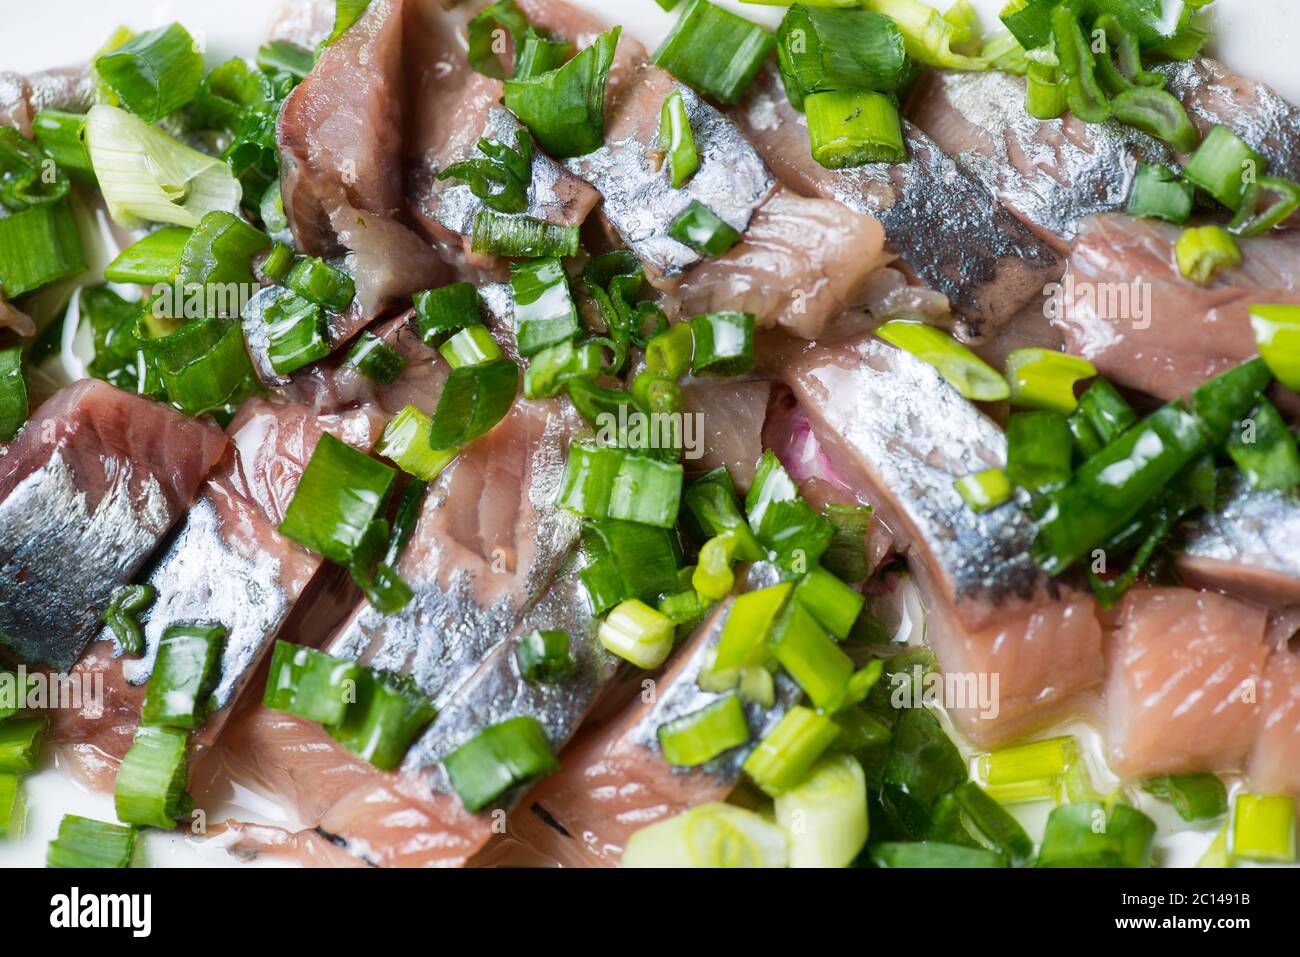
38,246
1277,333
282,56
1255,216
317,281
714,50
389,713
822,49
445,310
1120,63
835,605
968,373
473,400
471,346
846,557
1263,828
28,177
933,854
784,757
701,229
922,766
544,656
184,674
825,815
341,493
781,520
271,209
375,359
1005,54
205,366
220,249
1039,450
1029,762
154,73
853,127
1083,835
154,259
712,508
1045,378
743,643
552,368
594,401
346,13
13,809
724,343
708,835
565,108
521,236
928,36
148,176
670,352
713,577
1194,796
985,490
1083,93
685,607
1003,831
310,683
406,442
1220,402
85,843
616,280
628,560
487,33
62,136
1203,250
501,176
1265,450
20,744
1025,792
1216,855
702,735
637,633
13,393
126,605
501,757
544,311
1158,191
757,685
150,788
296,332
602,482
677,141
1045,93
540,54
1030,21
1156,113
811,658
1101,418
1223,165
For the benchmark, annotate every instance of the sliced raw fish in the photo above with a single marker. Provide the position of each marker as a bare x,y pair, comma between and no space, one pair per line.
1183,689
1274,766
23,96
728,425
87,492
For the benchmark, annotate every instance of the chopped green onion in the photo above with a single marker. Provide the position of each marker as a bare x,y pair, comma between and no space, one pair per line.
615,280
785,756
712,508
1263,828
628,560
278,261
1265,450
150,788
220,249
684,607
1083,93
445,310
20,744
1223,165
677,141
154,259
62,136
205,366
1003,831
1158,191
714,50
184,674
743,643
544,656
1120,66
928,36
1083,835
964,370
713,577
701,229
602,482
310,684
724,343
127,604
13,809
13,393
317,281
552,368
846,557
28,177
346,13
1005,54
811,658
757,685
473,400
501,757
783,521
155,73
708,835
540,54
375,359
1203,250
85,843
406,443
835,605
271,209
565,108
702,735
471,346
1277,333
1156,113
501,176
521,236
341,493
827,49
487,32
670,352
38,246
1251,219
1101,418
1225,399
282,56
1030,21
1039,450
1045,378
853,127
1194,796
922,766
637,633
825,815
985,490
933,854
1045,91
1216,855
389,713
1029,762
148,176
544,311
1025,792
296,332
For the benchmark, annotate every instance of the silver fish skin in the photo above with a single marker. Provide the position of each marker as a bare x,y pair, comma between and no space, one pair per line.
945,225
87,492
23,96
639,199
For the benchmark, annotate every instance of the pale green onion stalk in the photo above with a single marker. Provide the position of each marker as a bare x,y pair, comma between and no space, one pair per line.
148,176
711,835
825,816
